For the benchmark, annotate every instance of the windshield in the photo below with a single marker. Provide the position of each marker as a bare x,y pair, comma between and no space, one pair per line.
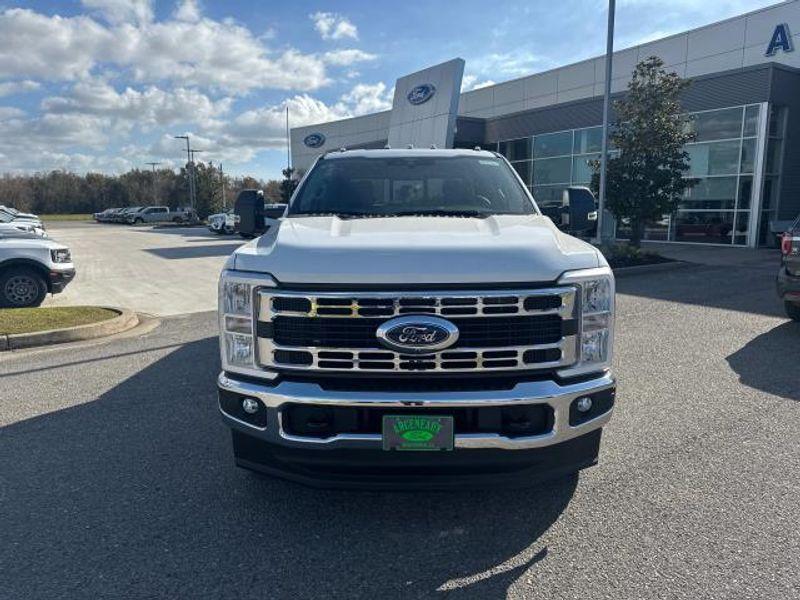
5,217
460,185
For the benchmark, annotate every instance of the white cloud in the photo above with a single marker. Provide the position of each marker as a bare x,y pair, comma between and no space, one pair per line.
122,11
344,58
470,82
332,26
515,63
188,11
218,54
151,106
365,98
10,88
10,112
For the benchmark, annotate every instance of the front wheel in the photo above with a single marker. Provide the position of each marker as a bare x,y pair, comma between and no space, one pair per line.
792,310
22,288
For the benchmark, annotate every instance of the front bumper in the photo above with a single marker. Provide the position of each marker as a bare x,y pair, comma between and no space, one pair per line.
355,459
788,285
60,279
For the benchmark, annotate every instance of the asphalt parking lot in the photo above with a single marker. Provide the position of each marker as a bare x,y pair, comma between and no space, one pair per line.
158,271
117,477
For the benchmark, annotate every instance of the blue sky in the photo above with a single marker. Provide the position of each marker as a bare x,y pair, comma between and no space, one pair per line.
103,85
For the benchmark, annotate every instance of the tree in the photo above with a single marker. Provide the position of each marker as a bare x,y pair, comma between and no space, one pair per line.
288,184
646,180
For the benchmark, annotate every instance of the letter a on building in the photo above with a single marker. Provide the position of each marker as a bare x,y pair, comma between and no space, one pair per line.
781,40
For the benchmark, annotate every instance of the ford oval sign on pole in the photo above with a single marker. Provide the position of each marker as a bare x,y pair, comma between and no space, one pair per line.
421,93
314,140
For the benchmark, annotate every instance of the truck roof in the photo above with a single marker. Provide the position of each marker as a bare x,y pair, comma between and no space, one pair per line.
407,153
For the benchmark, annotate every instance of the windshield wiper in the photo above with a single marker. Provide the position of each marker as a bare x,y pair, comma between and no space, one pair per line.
341,215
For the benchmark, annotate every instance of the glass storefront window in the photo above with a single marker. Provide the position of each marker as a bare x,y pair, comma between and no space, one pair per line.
716,124
552,144
582,170
552,170
524,170
588,140
748,155
714,158
516,149
750,121
745,191
711,193
703,226
722,158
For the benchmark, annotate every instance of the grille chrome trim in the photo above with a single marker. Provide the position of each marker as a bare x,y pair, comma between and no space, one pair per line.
402,304
398,307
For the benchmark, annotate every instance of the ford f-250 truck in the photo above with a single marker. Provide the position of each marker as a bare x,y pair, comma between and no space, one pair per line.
414,320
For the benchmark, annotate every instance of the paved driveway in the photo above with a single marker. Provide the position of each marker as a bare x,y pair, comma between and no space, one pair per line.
116,476
164,271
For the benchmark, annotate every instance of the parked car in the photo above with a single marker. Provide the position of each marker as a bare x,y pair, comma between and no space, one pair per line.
414,320
121,216
17,218
105,215
224,222
18,214
22,229
161,214
789,273
30,268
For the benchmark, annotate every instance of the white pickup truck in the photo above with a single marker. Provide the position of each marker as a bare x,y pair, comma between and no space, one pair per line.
414,320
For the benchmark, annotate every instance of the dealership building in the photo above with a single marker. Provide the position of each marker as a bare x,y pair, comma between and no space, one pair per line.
743,103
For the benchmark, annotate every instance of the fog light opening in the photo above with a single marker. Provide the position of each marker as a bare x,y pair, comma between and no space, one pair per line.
584,404
250,406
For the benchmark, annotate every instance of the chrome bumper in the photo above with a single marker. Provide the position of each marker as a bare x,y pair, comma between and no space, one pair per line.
559,397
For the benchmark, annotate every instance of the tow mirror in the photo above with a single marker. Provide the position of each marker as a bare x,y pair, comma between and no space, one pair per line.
578,210
249,208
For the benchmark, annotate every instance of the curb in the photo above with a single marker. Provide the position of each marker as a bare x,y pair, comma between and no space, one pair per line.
654,268
126,319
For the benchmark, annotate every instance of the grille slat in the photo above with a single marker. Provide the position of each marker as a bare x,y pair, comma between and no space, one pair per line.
498,331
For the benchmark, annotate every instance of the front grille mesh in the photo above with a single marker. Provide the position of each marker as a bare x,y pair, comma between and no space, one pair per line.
498,331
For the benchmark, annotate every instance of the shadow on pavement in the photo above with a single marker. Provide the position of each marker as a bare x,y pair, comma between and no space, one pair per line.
181,252
750,290
770,362
134,494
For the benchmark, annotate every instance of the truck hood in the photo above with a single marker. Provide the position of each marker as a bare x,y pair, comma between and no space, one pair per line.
14,242
415,250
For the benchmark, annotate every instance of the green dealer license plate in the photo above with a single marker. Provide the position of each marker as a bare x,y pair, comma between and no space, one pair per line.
417,432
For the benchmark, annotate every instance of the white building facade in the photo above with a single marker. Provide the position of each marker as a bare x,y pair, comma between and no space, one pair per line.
744,98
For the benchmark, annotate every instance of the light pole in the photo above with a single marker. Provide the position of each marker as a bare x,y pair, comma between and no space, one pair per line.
155,196
222,182
602,237
190,169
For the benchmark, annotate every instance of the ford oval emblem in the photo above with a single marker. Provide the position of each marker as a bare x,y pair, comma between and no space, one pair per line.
417,334
314,140
421,93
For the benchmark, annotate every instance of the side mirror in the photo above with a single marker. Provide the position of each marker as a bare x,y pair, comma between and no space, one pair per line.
579,210
249,208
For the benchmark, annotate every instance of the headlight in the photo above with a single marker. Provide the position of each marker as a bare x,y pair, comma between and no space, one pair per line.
61,255
237,302
596,333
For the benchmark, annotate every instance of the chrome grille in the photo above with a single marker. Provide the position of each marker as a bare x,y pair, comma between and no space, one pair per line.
334,331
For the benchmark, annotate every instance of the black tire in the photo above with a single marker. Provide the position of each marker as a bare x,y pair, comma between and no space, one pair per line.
229,230
792,310
177,220
22,287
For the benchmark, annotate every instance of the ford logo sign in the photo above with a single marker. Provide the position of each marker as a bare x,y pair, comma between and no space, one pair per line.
314,140
417,334
421,93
